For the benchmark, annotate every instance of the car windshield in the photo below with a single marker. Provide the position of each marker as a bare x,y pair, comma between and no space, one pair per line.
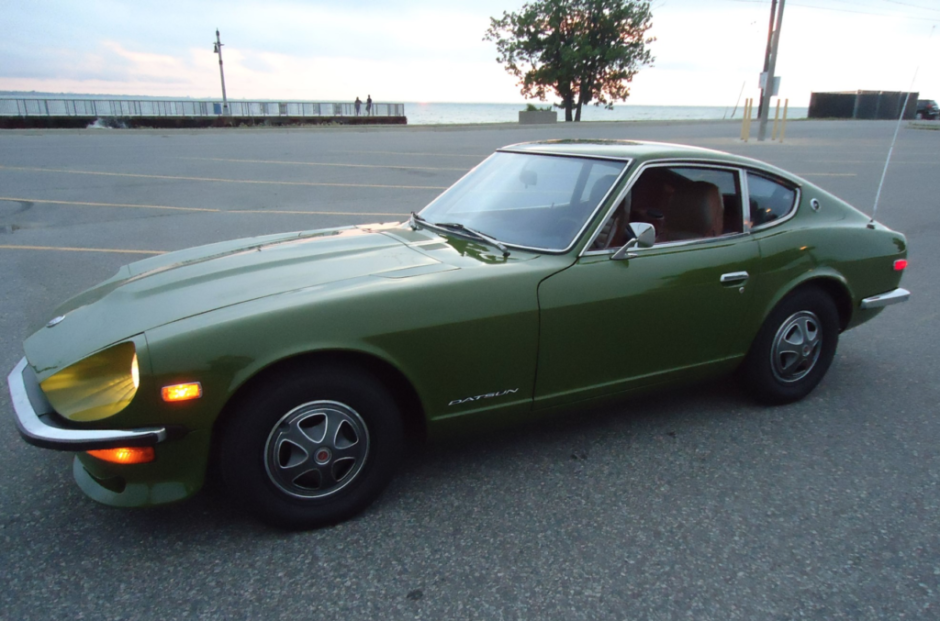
535,201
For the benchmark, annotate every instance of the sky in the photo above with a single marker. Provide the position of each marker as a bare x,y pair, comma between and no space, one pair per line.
433,50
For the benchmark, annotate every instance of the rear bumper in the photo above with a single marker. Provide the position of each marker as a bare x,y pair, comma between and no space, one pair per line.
37,421
885,299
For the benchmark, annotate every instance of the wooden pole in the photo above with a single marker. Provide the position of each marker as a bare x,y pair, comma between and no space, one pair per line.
773,134
783,127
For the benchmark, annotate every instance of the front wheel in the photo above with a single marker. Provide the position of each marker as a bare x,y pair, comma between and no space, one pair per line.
311,446
793,349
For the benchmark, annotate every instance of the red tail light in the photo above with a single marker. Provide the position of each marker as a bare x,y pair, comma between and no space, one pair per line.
900,265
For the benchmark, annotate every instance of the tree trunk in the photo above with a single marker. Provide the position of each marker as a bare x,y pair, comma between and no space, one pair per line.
577,116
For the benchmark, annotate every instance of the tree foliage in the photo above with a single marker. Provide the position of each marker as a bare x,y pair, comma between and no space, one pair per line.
582,50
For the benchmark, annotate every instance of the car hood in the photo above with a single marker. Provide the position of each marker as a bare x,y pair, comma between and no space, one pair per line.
174,286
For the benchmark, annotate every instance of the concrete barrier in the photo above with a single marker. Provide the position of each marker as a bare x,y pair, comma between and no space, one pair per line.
537,117
132,122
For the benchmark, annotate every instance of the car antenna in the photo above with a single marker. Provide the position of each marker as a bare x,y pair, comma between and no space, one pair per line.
871,223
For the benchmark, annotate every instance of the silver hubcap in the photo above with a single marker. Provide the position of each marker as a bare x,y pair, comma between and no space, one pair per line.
797,346
316,449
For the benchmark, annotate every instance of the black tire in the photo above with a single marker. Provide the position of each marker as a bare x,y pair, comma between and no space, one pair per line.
270,458
793,349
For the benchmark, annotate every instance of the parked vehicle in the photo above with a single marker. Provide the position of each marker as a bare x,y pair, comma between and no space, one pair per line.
552,275
927,109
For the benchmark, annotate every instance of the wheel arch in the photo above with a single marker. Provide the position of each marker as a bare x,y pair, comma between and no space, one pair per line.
396,382
832,284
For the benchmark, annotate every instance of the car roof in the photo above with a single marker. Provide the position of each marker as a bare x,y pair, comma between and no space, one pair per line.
641,151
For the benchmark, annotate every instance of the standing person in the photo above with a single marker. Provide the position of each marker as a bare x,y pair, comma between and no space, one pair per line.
369,105
358,104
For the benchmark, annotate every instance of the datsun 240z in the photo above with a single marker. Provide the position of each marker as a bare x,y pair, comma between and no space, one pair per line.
553,275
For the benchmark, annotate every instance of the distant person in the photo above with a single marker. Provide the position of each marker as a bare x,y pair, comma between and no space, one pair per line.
358,105
369,105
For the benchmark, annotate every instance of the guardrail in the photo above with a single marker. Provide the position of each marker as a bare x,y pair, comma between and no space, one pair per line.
188,108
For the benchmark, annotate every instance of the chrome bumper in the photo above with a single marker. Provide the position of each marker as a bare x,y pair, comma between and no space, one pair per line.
885,299
35,420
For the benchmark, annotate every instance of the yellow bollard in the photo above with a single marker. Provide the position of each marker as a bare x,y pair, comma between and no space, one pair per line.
746,123
773,134
783,127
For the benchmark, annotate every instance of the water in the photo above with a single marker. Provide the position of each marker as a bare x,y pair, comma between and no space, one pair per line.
472,113
461,113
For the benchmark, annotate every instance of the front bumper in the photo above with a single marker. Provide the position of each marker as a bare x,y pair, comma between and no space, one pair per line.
36,421
895,296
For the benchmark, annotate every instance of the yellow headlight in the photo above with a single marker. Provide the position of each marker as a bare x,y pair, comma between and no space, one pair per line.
97,387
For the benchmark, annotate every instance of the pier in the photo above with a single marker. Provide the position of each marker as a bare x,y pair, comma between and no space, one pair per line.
26,113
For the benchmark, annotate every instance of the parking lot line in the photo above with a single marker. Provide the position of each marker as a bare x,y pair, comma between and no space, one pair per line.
220,180
68,249
827,174
13,199
479,157
294,163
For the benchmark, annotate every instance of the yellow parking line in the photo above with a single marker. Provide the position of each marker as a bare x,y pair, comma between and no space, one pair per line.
288,162
68,249
318,213
220,180
90,204
827,174
479,157
204,209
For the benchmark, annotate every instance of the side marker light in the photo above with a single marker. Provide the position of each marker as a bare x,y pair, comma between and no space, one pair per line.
126,455
182,392
900,265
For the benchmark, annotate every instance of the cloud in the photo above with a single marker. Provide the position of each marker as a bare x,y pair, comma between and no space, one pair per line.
428,50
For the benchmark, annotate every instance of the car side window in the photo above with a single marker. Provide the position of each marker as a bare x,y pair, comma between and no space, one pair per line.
682,202
769,200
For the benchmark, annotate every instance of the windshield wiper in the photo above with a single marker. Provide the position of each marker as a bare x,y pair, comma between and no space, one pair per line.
456,227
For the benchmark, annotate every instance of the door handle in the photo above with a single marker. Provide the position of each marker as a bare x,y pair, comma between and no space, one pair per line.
734,277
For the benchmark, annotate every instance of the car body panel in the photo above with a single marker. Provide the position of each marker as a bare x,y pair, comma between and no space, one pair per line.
609,325
481,339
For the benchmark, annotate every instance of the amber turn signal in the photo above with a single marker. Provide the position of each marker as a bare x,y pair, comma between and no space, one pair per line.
182,392
126,455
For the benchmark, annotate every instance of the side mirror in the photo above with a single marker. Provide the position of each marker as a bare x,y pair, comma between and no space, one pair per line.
644,236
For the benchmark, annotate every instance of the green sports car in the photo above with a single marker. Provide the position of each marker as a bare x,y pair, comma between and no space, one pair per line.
553,275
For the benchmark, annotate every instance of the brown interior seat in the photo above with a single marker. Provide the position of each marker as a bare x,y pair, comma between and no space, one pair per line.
695,210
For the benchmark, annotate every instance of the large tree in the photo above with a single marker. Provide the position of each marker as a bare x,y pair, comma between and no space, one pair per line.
583,50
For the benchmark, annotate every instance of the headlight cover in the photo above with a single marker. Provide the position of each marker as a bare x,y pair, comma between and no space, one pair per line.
97,387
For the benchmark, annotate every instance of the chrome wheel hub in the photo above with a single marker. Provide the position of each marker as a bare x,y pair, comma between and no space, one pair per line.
316,449
797,346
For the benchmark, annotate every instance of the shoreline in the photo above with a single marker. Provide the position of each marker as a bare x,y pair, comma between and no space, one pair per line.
337,127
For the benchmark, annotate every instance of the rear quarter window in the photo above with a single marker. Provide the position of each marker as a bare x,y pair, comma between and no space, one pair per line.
770,200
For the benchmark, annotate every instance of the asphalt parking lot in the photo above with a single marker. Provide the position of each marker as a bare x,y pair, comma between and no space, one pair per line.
697,504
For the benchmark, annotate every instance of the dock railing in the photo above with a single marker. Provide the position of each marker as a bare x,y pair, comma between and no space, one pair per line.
189,108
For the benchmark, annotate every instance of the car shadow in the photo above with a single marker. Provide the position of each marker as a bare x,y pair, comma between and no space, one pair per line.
428,469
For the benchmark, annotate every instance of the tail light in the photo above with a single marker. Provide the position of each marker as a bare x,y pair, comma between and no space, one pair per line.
900,265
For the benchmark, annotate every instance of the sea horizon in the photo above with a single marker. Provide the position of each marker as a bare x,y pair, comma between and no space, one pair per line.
459,113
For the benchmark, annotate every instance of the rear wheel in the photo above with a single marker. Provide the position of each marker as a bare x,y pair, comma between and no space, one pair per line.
793,349
312,447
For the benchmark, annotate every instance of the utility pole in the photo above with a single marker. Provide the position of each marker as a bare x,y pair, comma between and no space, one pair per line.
218,50
770,38
768,89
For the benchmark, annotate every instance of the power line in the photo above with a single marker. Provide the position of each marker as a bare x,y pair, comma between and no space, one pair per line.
916,6
827,8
